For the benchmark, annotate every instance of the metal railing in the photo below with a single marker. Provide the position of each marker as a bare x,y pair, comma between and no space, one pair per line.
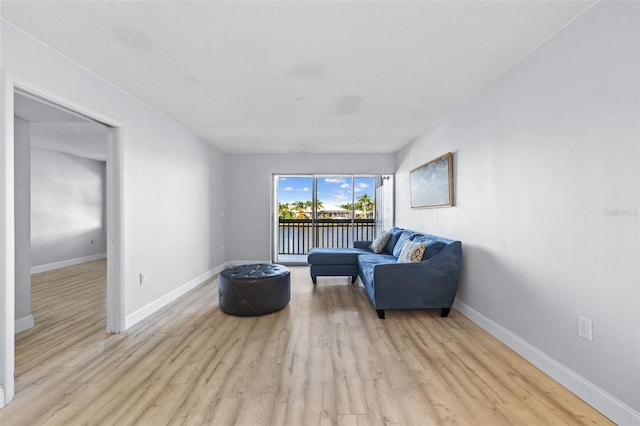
297,236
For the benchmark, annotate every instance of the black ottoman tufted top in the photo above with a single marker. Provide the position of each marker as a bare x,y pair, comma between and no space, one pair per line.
254,289
249,272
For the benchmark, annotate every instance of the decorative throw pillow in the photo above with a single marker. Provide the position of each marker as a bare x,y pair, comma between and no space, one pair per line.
411,252
378,244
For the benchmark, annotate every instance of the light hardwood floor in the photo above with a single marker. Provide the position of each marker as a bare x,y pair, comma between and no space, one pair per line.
324,359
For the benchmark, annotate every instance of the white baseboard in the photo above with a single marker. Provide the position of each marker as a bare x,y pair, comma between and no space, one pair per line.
2,401
599,399
24,323
63,263
152,307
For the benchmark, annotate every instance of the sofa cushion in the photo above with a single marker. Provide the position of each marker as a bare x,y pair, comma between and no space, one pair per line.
395,234
366,262
404,237
431,246
381,240
411,252
376,259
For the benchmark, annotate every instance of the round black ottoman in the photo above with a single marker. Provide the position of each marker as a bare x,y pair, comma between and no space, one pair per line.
248,290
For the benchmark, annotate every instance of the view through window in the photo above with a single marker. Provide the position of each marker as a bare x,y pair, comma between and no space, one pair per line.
322,211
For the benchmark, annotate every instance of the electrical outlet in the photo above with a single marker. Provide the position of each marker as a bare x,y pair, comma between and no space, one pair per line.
143,278
585,328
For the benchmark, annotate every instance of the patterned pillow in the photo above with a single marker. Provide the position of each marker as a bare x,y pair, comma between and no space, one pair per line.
411,252
378,244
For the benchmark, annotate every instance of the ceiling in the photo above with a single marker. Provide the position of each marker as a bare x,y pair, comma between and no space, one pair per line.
297,77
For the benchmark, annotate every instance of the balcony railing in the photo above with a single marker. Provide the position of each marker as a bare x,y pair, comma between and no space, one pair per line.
296,236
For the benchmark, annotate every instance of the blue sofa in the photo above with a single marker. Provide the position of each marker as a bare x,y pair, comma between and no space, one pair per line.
427,284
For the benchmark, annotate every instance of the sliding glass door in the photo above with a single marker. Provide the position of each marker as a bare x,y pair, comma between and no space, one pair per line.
333,224
321,211
293,224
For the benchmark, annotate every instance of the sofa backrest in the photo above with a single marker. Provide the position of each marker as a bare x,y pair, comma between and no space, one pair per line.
433,243
405,236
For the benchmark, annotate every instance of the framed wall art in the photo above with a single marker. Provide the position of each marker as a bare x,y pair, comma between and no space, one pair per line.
432,183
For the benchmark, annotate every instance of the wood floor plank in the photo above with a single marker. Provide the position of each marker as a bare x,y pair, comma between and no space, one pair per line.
326,358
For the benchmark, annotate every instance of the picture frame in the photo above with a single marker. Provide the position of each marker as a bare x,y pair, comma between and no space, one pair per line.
432,183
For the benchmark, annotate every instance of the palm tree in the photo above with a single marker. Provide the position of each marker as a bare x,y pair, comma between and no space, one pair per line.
363,201
309,203
284,212
298,207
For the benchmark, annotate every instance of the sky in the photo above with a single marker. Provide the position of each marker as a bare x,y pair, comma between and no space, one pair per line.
335,190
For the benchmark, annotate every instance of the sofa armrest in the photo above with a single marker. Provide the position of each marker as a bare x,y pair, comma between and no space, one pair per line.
362,244
431,283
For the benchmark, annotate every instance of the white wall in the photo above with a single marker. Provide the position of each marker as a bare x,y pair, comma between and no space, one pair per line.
547,190
67,207
22,155
180,190
249,203
172,180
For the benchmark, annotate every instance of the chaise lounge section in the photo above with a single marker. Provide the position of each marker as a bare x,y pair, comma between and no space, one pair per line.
335,261
429,281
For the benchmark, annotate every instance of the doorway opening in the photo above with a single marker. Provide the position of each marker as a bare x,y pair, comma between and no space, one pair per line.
60,196
12,263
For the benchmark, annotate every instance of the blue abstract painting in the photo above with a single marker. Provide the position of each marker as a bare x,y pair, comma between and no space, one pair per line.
432,183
